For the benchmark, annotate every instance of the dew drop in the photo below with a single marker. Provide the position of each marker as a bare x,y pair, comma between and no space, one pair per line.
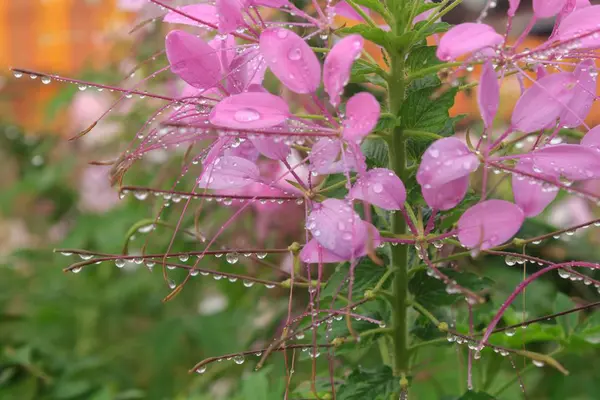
119,263
510,332
232,258
76,270
184,257
46,80
17,74
538,363
201,370
239,360
248,283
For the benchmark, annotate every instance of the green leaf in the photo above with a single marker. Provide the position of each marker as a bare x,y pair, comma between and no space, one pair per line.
376,151
431,292
470,395
438,27
375,35
377,384
366,275
375,5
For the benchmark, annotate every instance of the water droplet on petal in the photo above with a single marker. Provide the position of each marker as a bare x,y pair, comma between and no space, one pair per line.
295,54
246,115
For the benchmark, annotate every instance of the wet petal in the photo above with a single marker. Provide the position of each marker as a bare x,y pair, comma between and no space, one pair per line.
324,153
343,9
246,69
380,187
192,59
230,15
489,224
532,195
592,138
271,3
246,150
362,114
202,12
336,69
578,23
467,38
250,110
291,59
444,161
547,8
446,196
573,161
542,104
585,93
337,227
268,147
488,94
314,253
513,5
228,172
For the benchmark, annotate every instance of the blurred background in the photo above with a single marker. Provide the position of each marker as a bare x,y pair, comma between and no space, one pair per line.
105,333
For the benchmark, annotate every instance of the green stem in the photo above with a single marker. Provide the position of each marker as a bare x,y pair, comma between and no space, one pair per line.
362,13
425,312
399,254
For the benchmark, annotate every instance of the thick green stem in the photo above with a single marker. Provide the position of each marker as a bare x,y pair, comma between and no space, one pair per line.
396,92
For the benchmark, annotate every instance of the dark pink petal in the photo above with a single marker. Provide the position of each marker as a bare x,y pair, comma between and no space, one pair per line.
343,9
532,195
245,150
193,60
246,69
314,253
573,161
578,23
228,172
269,147
230,15
488,94
467,38
250,110
585,93
324,153
489,224
291,59
547,8
513,5
446,196
444,161
336,69
542,104
380,187
203,12
337,227
225,47
592,138
362,114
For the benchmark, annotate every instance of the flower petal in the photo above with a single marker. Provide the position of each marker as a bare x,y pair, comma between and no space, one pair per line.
513,5
542,104
337,227
380,187
228,172
444,161
336,69
314,253
446,196
291,59
532,195
585,94
250,110
592,138
270,148
343,9
547,8
573,161
202,12
245,70
580,22
230,15
467,38
193,60
488,94
489,223
362,114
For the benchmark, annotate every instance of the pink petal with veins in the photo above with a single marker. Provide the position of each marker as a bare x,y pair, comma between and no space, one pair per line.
547,8
532,195
362,114
193,60
291,59
467,38
250,110
444,161
203,12
268,147
573,161
489,224
228,172
380,187
585,94
230,15
488,94
446,196
343,9
583,24
337,66
592,138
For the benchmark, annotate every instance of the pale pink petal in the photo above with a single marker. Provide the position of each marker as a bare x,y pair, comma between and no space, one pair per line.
580,22
444,161
324,153
269,147
246,150
542,104
250,110
291,59
202,12
446,196
337,66
573,161
585,93
489,224
314,253
230,15
467,38
343,9
225,47
547,8
228,172
246,69
362,114
488,94
592,138
380,187
192,59
513,5
532,195
271,3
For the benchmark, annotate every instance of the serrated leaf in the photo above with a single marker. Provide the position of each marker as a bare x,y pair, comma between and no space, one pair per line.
431,292
470,395
375,35
438,27
366,275
369,384
376,151
374,5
